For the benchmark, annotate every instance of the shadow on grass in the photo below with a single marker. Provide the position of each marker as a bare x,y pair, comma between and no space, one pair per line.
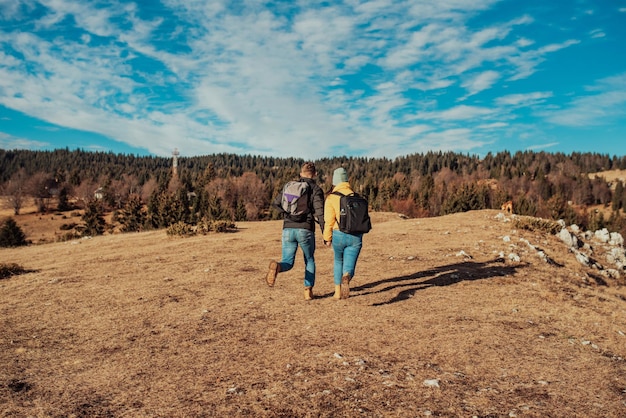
440,276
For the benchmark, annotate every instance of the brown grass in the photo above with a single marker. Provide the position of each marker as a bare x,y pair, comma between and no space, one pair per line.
611,176
146,325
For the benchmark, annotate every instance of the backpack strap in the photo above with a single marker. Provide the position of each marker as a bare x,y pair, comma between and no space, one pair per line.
340,196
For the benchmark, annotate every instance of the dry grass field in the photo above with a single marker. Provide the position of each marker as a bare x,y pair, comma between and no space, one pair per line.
611,176
438,323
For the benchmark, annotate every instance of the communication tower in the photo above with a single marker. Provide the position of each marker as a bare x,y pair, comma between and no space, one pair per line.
175,155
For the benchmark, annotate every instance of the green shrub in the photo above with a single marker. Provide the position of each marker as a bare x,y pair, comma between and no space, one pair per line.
10,269
68,236
94,219
181,229
206,225
11,235
67,227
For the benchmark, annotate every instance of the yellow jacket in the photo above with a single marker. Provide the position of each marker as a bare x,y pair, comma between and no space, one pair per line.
331,209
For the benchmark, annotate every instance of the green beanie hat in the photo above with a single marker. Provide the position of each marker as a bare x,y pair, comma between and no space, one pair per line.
339,176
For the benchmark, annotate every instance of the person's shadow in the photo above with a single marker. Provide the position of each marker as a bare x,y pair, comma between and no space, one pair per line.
438,276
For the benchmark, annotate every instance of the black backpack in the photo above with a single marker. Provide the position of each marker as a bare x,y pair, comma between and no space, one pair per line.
354,217
295,199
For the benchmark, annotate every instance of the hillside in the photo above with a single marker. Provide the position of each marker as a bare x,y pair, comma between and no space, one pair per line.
443,320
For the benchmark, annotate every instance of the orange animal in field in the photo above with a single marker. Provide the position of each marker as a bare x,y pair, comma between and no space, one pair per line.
508,207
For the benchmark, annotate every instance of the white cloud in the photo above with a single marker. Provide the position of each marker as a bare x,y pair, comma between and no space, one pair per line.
480,82
606,101
528,61
256,81
10,142
457,113
495,125
523,99
542,146
597,33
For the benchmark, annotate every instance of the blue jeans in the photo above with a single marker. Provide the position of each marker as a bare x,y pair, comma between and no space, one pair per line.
346,248
292,238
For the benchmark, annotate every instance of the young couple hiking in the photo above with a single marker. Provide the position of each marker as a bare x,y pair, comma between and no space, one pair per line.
303,205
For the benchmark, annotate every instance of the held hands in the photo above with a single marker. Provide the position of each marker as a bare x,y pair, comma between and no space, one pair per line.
328,243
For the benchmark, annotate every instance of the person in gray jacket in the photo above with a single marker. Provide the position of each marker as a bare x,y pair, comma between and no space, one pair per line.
300,232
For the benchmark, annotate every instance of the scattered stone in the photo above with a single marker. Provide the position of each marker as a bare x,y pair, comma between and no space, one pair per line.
514,257
615,238
337,355
506,238
463,254
569,239
543,256
431,383
582,258
603,235
611,273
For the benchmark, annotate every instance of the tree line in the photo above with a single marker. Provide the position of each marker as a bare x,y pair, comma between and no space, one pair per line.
144,192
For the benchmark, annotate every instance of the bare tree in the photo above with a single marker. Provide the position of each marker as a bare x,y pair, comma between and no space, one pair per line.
15,190
42,187
251,194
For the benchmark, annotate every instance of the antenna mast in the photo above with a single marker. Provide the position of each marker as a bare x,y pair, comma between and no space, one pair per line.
175,155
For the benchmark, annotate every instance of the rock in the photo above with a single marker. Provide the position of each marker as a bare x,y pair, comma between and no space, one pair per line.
569,239
431,383
611,273
543,256
514,257
603,235
582,258
615,238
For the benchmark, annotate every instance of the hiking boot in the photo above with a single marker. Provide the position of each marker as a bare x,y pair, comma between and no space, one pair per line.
273,271
337,294
345,286
308,293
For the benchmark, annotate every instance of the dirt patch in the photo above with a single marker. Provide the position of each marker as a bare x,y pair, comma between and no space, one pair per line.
442,321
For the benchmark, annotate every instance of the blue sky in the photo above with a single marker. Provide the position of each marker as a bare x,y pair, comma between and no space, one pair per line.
313,79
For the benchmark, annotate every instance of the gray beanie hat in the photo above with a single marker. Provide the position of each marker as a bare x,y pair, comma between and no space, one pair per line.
339,176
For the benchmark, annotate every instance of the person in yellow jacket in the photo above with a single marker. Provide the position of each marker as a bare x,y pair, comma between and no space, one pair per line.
345,246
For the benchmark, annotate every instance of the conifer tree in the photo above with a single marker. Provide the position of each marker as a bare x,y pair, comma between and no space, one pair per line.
94,219
618,196
11,235
132,216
